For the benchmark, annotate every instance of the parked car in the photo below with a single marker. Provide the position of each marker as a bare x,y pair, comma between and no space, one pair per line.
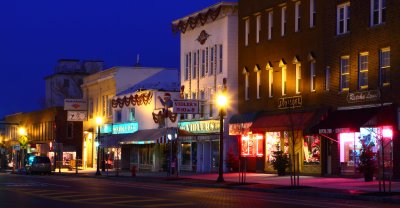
38,164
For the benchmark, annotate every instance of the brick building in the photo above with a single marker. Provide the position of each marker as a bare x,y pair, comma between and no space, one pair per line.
319,73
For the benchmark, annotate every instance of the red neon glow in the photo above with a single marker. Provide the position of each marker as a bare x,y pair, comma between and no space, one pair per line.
387,132
252,145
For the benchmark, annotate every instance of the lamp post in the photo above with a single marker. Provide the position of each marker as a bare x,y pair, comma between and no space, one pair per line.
99,121
221,102
23,140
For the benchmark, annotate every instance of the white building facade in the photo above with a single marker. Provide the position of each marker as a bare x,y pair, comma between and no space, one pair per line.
209,52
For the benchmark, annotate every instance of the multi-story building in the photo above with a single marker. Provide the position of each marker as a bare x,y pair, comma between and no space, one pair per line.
304,61
66,81
208,57
99,90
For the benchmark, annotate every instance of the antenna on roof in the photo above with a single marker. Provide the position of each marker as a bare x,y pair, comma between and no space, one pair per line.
137,60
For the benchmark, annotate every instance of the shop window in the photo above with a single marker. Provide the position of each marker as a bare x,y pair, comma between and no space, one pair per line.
272,144
252,145
146,154
312,150
186,153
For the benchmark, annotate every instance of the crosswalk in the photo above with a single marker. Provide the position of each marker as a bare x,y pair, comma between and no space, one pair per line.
100,199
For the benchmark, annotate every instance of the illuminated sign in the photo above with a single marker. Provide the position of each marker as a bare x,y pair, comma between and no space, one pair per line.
363,96
206,126
290,102
252,145
125,128
106,129
239,128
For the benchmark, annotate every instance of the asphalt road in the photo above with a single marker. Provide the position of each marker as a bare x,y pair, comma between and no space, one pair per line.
70,191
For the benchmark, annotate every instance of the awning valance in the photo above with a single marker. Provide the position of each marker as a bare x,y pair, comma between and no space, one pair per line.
147,136
285,122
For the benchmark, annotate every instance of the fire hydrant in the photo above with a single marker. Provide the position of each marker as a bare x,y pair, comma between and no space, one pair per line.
133,171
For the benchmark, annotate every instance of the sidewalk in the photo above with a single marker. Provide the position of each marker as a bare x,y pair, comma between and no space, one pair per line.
334,187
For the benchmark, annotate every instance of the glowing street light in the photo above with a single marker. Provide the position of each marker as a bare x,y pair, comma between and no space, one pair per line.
222,102
99,122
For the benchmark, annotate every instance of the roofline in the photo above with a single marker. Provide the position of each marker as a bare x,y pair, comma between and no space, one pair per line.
205,10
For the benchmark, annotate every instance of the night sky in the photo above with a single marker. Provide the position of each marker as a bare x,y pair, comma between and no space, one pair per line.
35,34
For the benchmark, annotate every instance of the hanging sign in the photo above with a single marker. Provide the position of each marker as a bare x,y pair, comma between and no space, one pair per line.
77,116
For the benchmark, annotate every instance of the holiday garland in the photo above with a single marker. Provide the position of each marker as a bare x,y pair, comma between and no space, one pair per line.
193,21
137,100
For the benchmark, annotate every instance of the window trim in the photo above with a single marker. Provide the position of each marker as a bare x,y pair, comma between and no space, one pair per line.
380,13
246,31
313,13
297,16
283,21
313,76
360,70
347,75
258,27
270,24
346,18
384,50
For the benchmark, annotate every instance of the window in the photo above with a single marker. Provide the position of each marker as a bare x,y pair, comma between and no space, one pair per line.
313,13
363,71
70,126
194,73
207,63
298,78
190,64
118,116
271,82
131,115
312,76
378,12
270,24
327,77
344,73
343,18
66,83
258,28
211,113
312,150
220,59
384,67
109,108
284,76
297,17
212,61
247,30
258,83
186,73
202,103
246,86
203,63
194,98
283,21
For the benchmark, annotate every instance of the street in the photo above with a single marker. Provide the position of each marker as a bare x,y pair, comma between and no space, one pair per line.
70,191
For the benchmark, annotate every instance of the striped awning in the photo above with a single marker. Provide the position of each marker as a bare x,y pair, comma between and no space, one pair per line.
148,136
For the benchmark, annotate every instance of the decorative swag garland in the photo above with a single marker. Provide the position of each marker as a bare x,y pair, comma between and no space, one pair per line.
192,21
137,100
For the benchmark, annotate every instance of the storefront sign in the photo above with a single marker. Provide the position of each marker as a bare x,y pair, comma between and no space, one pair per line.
75,104
186,106
106,129
290,102
239,128
77,116
363,96
252,145
125,128
207,126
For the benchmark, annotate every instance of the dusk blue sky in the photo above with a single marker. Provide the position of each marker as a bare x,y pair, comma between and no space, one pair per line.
35,34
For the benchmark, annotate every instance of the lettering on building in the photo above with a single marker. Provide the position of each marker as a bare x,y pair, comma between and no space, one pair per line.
363,96
290,102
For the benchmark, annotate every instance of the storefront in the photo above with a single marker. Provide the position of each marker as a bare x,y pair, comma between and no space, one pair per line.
289,133
349,129
198,146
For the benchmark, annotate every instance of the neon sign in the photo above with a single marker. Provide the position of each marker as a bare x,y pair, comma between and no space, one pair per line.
125,128
252,145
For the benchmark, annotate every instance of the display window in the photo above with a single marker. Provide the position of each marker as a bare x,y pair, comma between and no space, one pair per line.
252,145
272,143
351,143
312,150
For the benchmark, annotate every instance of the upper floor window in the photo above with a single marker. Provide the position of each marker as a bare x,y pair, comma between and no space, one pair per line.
312,76
212,61
297,16
246,31
194,73
378,12
298,78
270,24
344,73
258,28
186,72
271,82
313,13
363,70
343,18
207,60
384,67
283,21
284,79
220,58
258,72
203,63
118,116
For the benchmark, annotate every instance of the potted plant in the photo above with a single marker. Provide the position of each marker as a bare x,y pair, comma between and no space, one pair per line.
367,161
280,161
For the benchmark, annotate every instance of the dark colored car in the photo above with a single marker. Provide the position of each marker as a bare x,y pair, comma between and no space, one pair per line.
38,164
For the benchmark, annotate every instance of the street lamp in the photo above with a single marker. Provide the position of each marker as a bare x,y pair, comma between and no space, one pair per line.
99,121
23,140
222,102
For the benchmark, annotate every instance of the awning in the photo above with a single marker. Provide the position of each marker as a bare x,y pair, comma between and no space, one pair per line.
111,140
148,136
285,122
240,123
345,121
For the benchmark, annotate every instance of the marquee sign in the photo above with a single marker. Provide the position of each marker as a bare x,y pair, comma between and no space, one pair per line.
206,126
290,102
